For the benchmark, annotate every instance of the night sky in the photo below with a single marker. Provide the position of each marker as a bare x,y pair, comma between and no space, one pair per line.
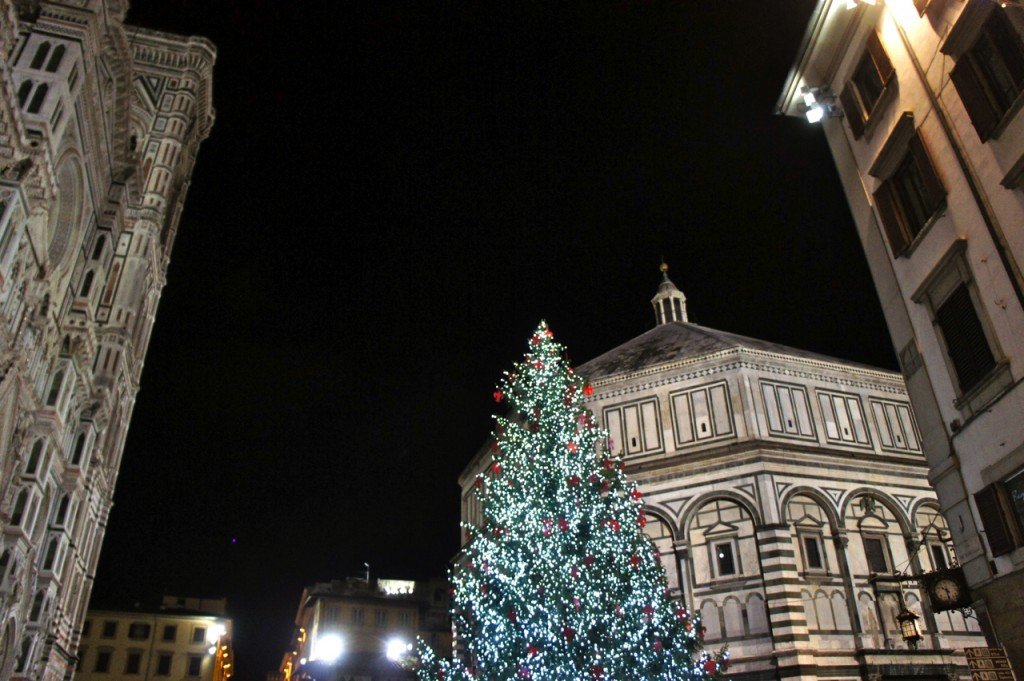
394,193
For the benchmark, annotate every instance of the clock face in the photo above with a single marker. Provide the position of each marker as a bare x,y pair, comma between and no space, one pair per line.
946,590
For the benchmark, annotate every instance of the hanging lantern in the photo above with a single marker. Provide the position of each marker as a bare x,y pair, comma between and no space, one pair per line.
908,627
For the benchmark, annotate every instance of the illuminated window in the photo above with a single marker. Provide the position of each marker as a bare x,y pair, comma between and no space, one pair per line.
724,559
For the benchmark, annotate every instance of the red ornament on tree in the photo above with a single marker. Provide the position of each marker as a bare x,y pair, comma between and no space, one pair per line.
588,391
634,560
710,667
597,671
512,616
572,447
574,480
589,560
496,468
636,494
563,524
498,396
569,633
641,519
657,646
533,650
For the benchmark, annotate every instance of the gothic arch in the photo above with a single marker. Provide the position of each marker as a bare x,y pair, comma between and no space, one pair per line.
925,502
729,495
65,225
7,652
826,504
886,500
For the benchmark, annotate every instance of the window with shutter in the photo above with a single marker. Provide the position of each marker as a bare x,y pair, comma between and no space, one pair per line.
989,76
867,85
910,197
997,531
965,339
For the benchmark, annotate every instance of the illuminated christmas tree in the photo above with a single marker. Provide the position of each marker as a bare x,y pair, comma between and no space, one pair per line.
560,582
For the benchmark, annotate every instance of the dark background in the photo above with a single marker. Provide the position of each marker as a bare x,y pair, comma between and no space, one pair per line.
393,195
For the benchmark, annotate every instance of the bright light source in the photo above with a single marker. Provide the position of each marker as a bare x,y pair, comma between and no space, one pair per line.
814,113
852,4
396,648
302,660
215,632
212,649
809,98
328,648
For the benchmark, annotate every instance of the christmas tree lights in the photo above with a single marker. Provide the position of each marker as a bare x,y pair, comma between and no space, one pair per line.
559,581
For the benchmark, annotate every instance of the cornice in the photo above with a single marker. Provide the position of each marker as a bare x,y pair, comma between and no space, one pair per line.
735,359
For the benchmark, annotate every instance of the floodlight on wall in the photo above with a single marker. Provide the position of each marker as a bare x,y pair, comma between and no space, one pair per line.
328,648
396,649
818,102
852,4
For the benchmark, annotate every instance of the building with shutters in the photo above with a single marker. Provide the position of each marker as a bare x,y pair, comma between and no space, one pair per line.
185,638
364,628
100,124
783,489
923,100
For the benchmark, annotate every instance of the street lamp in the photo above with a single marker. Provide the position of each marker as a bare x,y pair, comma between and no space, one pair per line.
908,626
328,648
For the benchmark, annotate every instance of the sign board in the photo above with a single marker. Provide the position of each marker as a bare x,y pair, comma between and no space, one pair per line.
988,664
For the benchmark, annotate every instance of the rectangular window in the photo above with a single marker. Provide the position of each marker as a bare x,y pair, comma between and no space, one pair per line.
966,343
109,629
1002,530
702,414
634,428
163,664
381,617
895,424
102,662
989,76
844,419
131,665
938,552
874,550
724,557
86,628
910,196
867,85
138,631
199,635
357,616
404,619
170,632
812,553
195,665
787,411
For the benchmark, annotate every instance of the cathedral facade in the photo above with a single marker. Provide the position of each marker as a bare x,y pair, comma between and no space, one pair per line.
787,496
100,124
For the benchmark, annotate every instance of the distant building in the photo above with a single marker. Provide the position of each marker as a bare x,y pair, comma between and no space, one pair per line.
784,488
359,629
186,638
928,139
100,126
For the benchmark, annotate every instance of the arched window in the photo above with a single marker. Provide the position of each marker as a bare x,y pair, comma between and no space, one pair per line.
38,98
41,52
24,655
32,465
23,92
19,508
55,59
37,607
97,250
76,454
55,386
51,554
87,283
62,511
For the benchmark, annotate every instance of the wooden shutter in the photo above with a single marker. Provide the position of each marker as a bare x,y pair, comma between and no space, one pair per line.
881,60
890,219
851,107
934,191
1008,44
965,339
972,92
997,532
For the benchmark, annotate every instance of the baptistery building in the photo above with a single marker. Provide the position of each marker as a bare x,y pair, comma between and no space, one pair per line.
788,499
100,124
